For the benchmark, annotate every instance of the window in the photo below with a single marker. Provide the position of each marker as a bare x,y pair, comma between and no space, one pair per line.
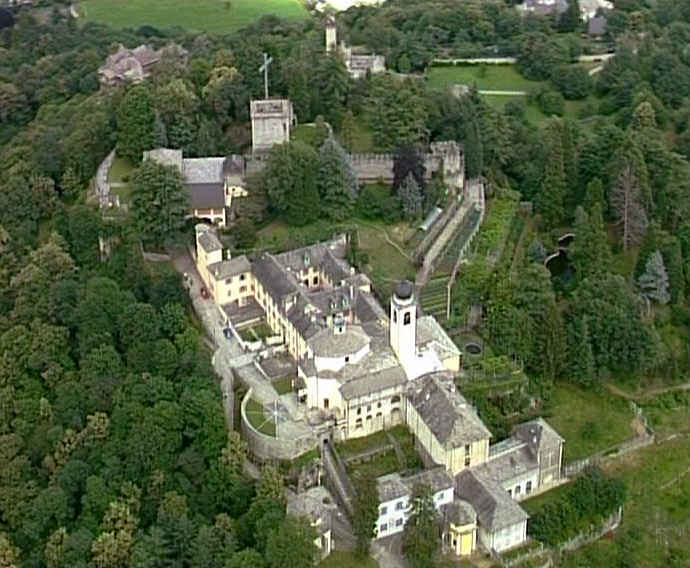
395,316
528,487
306,282
358,423
399,505
510,493
467,461
243,289
378,405
325,403
398,522
228,281
383,527
242,276
359,410
369,408
518,490
379,415
467,449
407,319
383,510
395,399
315,281
347,359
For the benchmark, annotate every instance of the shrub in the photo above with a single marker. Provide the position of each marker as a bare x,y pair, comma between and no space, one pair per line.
551,102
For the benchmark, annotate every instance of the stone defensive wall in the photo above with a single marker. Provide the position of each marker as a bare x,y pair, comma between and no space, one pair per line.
371,168
267,448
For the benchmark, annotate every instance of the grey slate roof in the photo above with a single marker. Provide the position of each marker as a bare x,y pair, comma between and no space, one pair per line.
446,412
538,433
229,268
209,242
509,465
391,487
273,278
203,170
206,195
495,508
374,382
326,343
437,479
459,512
430,333
315,504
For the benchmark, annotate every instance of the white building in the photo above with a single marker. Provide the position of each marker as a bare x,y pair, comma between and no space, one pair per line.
395,493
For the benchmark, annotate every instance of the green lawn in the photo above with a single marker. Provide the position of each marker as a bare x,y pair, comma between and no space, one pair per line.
589,421
340,559
656,514
283,385
486,78
258,418
120,171
207,15
356,446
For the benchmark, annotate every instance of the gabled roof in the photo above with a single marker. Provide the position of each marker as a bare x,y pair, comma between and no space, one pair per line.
538,434
206,195
209,242
230,268
445,411
203,170
496,510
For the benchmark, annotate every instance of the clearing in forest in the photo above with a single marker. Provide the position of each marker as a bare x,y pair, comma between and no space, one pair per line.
206,15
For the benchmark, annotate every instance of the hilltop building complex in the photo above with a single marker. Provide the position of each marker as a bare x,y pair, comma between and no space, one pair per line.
362,369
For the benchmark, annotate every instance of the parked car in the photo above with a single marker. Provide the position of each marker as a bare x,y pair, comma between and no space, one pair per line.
204,293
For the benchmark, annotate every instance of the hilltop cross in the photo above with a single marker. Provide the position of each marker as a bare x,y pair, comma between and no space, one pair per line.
267,61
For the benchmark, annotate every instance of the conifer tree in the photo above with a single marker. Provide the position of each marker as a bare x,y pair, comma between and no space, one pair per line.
593,193
654,282
366,512
582,363
552,192
630,185
336,181
136,118
411,197
591,255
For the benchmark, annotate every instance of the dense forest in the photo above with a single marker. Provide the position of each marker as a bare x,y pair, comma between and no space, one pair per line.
114,447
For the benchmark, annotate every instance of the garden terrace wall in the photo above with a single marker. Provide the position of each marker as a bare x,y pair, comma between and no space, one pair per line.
267,448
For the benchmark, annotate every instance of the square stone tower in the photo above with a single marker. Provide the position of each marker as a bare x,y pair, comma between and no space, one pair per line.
272,120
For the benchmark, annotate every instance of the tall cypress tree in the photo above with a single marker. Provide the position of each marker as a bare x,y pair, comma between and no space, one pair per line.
551,197
136,118
582,363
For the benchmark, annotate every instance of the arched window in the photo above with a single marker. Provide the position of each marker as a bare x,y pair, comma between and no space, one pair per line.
406,321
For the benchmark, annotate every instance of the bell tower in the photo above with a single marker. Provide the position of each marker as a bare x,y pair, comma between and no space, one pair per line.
331,35
403,324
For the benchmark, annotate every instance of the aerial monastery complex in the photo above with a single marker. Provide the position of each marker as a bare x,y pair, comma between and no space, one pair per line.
359,368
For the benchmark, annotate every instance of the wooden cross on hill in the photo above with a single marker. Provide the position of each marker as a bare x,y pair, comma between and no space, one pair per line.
267,61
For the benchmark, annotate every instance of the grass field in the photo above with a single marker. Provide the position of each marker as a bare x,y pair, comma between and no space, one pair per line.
488,78
260,419
588,421
206,15
656,514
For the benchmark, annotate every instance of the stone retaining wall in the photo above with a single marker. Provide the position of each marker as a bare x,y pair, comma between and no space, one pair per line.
267,448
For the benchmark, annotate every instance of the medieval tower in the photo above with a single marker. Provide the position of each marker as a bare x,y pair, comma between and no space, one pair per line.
272,120
331,35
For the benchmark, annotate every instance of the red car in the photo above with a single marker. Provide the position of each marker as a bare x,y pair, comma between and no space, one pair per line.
204,293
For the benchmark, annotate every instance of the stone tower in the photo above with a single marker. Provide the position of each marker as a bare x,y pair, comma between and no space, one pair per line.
403,324
331,35
272,120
